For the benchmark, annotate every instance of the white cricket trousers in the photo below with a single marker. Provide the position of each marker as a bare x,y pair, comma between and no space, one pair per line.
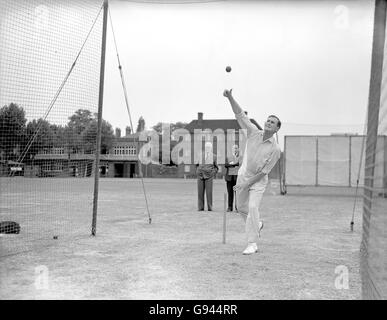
248,202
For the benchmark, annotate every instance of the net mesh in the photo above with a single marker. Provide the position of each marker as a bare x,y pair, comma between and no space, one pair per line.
374,240
50,54
330,161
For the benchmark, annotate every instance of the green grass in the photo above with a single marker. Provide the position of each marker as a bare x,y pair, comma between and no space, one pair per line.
180,255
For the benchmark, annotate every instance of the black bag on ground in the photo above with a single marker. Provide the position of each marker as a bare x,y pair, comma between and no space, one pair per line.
9,227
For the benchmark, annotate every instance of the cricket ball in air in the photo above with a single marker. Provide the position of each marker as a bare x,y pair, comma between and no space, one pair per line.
228,69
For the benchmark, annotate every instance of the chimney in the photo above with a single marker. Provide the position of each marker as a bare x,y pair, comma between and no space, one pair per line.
128,131
118,132
141,124
200,118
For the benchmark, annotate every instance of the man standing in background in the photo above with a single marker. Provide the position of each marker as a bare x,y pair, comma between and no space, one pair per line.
206,171
232,167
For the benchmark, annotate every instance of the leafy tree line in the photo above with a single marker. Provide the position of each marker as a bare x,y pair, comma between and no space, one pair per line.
78,135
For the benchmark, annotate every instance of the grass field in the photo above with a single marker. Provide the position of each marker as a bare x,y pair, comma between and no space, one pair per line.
180,255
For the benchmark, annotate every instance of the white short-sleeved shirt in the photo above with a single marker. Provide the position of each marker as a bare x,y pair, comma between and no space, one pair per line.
259,155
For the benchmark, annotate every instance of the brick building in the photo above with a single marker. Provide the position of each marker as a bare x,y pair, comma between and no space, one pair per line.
223,133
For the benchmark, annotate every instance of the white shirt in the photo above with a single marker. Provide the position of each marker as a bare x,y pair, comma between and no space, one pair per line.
259,156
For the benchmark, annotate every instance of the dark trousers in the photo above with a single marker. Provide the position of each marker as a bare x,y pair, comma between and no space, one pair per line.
205,185
230,191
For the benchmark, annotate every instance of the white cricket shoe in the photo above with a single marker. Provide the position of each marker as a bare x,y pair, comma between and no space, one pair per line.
251,248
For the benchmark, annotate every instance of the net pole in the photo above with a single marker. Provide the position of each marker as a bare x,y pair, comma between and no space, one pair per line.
224,217
359,171
280,169
99,124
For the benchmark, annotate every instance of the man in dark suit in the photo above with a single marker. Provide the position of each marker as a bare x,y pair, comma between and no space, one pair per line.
232,167
206,171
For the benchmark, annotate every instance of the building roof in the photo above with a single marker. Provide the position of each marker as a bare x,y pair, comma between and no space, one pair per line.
133,137
200,123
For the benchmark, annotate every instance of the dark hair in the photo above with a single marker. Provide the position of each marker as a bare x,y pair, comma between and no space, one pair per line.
278,120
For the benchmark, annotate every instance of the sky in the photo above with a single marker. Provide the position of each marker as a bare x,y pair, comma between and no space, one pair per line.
308,62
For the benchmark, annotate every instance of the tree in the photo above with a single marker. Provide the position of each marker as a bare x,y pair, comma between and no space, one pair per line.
80,120
39,136
89,137
77,124
82,132
158,127
107,137
12,130
59,135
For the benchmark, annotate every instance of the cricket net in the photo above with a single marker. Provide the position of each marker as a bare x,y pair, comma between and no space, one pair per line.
50,55
374,240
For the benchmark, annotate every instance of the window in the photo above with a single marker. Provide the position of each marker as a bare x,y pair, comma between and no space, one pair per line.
57,151
125,150
132,150
57,166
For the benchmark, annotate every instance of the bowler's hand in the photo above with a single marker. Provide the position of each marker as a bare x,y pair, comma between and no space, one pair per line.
227,93
241,186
